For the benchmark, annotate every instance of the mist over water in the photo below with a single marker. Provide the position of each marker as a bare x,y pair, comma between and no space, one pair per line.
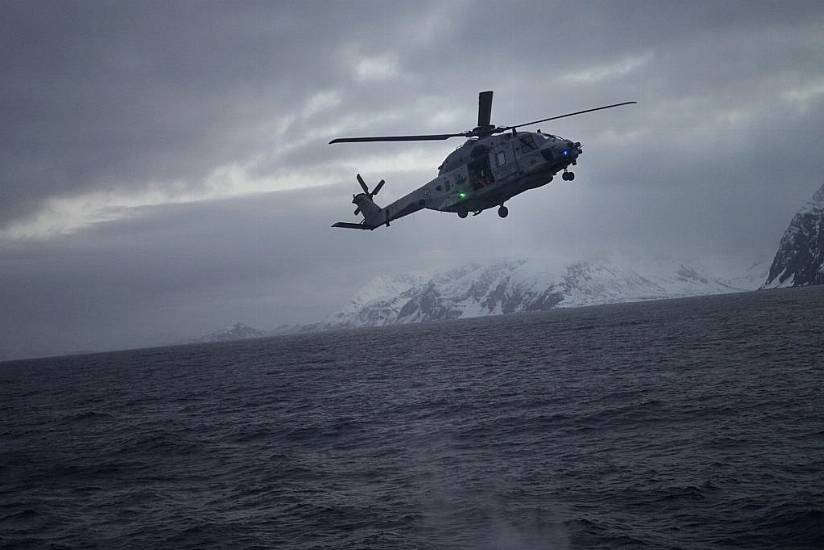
695,423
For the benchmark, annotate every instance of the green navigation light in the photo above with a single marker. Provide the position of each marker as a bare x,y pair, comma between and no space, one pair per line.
462,195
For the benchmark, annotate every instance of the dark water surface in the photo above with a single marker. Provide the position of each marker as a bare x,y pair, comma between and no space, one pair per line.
693,423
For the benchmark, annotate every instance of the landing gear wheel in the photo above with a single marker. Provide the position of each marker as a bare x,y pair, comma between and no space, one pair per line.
568,176
503,211
463,213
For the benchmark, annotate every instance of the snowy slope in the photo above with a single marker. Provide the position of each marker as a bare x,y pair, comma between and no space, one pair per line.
510,286
799,260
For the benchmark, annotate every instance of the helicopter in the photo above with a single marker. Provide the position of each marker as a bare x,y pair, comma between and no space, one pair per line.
492,166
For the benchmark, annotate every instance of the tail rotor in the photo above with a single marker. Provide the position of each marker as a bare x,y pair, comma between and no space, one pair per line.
366,189
366,193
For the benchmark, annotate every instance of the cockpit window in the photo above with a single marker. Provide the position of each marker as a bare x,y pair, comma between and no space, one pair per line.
527,143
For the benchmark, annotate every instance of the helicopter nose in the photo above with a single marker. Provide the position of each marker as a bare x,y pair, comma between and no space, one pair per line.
570,151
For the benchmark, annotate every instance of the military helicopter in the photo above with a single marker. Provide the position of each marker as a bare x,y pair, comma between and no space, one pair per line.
492,166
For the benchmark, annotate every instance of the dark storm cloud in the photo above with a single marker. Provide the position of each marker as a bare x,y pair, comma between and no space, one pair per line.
103,95
105,102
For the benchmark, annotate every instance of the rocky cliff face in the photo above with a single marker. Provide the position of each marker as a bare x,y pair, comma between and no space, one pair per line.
522,285
800,257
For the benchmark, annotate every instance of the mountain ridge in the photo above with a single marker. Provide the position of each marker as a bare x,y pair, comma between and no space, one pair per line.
522,285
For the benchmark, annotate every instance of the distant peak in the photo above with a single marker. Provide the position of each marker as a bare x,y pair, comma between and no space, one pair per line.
237,331
818,196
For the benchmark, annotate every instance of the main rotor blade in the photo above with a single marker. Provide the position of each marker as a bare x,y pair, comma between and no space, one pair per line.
431,137
498,130
362,183
484,108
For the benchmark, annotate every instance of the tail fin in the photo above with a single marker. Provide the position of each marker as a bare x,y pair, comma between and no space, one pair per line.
366,206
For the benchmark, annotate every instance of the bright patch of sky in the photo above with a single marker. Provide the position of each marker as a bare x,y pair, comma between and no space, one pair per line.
381,67
600,73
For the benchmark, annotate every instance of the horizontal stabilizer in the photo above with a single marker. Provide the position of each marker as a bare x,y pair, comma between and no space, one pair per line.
352,225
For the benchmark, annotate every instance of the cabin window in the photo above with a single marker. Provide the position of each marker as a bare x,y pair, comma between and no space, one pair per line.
500,158
480,173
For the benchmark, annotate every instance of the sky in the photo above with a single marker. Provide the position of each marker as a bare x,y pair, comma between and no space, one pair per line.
165,168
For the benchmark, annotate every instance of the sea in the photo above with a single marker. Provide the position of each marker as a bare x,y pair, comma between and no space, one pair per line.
692,423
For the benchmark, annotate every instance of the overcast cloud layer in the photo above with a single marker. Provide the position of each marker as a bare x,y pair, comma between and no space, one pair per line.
164,168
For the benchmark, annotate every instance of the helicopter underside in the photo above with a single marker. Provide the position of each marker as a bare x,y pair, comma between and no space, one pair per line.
494,197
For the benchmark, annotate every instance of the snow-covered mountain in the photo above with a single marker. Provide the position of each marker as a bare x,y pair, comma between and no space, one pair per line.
238,331
800,257
510,286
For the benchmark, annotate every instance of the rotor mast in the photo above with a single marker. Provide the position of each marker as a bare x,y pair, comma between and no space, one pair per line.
484,127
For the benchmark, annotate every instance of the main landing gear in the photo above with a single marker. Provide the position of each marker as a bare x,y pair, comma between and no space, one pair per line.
503,212
568,176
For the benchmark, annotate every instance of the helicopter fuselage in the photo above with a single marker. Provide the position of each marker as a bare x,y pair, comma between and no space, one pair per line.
492,166
486,172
